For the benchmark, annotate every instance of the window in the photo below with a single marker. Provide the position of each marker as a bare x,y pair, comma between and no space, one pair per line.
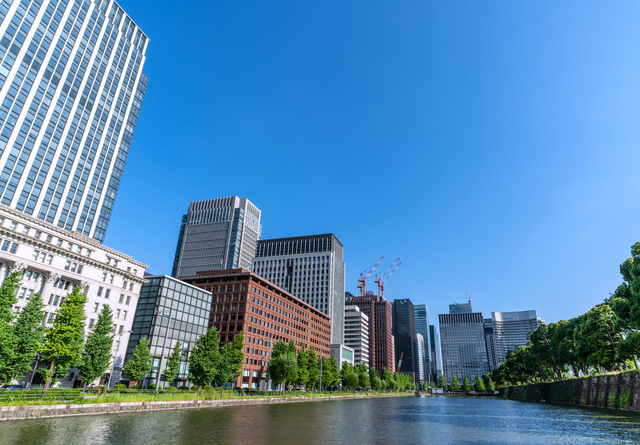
135,272
5,246
124,315
79,249
79,268
69,245
245,372
87,253
48,239
91,321
100,289
104,276
68,265
131,286
110,279
117,313
55,300
120,331
25,230
121,298
13,225
51,315
95,307
128,300
35,255
21,293
49,259
59,243
37,234
50,299
124,284
106,293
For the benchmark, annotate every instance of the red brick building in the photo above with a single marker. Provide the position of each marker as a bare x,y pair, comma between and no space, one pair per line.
244,301
381,348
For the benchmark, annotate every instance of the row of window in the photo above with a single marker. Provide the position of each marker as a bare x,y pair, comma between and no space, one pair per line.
117,313
37,234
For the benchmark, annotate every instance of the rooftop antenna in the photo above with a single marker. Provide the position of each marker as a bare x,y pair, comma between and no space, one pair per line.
468,297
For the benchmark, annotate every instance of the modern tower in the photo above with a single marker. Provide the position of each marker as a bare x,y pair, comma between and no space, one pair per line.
309,267
510,330
381,344
464,346
356,334
421,312
217,234
419,354
436,355
404,334
71,88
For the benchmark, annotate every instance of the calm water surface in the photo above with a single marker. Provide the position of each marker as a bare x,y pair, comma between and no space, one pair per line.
407,420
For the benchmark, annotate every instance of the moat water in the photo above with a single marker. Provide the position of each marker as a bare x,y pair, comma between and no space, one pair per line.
402,420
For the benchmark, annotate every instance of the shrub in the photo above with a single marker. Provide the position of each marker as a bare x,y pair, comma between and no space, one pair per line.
207,388
120,386
169,387
183,387
194,388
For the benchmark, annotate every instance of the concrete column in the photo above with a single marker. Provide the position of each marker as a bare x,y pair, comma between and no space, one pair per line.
48,280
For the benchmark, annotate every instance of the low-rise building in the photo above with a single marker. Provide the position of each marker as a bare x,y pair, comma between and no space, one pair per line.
53,261
342,354
356,334
244,301
183,308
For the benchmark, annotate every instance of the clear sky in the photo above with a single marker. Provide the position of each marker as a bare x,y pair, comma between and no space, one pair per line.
492,145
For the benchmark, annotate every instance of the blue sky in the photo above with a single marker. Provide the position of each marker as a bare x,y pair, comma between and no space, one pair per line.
493,146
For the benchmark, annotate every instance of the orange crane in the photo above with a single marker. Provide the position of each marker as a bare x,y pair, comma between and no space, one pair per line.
386,275
400,362
364,276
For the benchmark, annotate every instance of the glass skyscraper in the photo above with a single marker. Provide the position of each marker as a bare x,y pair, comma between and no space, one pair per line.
404,333
71,88
217,234
421,313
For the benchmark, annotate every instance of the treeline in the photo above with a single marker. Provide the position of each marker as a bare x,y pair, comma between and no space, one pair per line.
605,339
479,385
66,346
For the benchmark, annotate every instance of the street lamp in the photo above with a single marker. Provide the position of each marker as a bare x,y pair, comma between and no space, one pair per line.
161,313
116,357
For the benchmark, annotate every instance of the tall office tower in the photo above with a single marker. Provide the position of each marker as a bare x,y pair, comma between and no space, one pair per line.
419,354
510,330
491,344
217,234
404,334
356,334
436,356
381,342
464,345
309,267
421,312
71,88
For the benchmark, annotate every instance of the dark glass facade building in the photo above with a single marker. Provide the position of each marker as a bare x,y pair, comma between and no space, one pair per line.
190,308
404,333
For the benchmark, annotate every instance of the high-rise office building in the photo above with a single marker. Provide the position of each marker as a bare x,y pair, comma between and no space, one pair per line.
491,344
511,329
464,346
404,334
356,334
381,343
217,234
419,354
421,312
436,355
309,267
71,88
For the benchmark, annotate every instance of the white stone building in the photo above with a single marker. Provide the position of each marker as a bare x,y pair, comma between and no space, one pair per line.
54,260
356,334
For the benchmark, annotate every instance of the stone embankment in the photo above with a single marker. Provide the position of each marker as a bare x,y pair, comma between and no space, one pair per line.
616,391
45,411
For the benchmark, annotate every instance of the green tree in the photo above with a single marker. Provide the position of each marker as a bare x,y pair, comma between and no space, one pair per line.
225,372
170,372
204,362
96,355
312,367
442,382
276,365
478,385
8,299
28,331
386,375
488,382
236,356
455,385
137,366
330,374
62,344
303,367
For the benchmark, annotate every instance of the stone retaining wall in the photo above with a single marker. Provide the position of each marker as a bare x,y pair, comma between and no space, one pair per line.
45,411
617,391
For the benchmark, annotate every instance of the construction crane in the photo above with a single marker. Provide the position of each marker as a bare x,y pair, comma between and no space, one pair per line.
468,297
386,275
400,362
364,276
